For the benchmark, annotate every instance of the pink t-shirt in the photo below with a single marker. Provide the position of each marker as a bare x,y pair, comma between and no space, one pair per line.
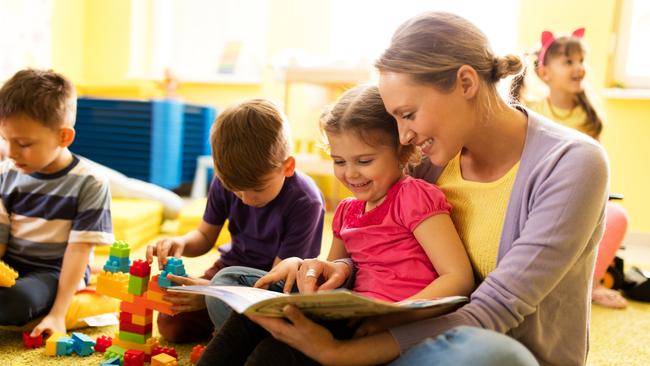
391,264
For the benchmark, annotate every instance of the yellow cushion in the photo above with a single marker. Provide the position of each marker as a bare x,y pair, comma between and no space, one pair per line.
191,216
135,221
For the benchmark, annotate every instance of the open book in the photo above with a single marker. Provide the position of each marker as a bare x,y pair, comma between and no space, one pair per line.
335,304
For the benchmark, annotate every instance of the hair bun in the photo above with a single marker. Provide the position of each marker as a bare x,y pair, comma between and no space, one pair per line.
505,66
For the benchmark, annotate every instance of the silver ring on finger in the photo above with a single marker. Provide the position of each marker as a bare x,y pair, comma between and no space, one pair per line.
311,273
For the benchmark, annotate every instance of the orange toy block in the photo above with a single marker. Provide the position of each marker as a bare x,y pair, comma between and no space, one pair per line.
137,307
196,353
50,343
162,306
153,285
147,347
155,296
114,285
163,359
7,275
138,319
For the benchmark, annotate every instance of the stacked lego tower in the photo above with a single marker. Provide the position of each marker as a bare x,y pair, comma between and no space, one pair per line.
140,296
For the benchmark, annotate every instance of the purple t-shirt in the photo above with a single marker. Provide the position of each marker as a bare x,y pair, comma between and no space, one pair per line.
289,226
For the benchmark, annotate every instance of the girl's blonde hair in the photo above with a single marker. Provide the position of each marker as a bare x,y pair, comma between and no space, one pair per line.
564,46
432,46
361,111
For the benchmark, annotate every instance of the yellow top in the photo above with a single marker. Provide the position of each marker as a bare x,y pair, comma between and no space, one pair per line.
575,118
481,207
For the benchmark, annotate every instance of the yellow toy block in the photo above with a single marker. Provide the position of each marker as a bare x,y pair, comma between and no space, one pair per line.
135,221
155,296
7,275
141,319
146,348
50,343
114,284
163,359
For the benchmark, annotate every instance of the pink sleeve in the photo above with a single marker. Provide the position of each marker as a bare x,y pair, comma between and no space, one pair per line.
339,214
418,200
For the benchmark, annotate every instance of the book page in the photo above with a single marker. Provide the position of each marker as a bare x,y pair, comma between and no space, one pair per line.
237,297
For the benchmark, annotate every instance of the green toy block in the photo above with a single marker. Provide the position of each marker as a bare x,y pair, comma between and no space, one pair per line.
134,337
115,351
120,249
138,285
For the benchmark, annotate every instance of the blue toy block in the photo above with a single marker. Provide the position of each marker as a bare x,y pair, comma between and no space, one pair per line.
117,264
113,361
83,345
174,266
64,346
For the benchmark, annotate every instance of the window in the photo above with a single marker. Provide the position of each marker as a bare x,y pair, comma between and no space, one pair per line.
632,52
25,35
199,40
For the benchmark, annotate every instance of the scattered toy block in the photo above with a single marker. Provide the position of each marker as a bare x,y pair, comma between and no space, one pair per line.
196,353
115,351
102,343
64,346
83,345
50,343
167,350
32,342
140,268
163,359
8,275
134,357
115,361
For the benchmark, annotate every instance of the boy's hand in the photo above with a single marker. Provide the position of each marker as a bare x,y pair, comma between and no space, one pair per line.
50,324
286,270
186,302
164,248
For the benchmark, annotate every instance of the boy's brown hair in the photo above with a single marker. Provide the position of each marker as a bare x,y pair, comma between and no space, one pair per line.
249,140
42,95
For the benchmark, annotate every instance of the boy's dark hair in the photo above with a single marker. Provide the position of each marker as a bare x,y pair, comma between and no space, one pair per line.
249,140
42,95
360,110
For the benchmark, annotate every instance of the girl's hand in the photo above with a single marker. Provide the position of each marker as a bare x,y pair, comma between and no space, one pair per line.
300,333
286,270
317,275
50,324
164,248
186,302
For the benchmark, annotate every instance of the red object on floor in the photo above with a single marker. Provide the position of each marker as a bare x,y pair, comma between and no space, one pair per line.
32,342
196,353
134,357
167,350
102,343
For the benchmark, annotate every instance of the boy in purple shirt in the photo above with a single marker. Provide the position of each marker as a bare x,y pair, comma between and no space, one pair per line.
273,211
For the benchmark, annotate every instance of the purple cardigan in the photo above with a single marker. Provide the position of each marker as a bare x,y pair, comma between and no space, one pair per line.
540,291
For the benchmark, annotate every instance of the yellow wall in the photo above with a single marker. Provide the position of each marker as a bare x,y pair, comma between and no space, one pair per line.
91,45
627,122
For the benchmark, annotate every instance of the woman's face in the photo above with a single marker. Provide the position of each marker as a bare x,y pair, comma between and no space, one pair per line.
437,122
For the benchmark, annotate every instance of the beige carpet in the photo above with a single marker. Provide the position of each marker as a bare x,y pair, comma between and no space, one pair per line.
618,337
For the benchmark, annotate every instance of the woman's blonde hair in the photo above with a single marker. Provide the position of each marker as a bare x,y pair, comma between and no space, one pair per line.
432,46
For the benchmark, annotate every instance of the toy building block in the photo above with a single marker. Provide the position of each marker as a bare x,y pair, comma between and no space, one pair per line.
167,350
117,264
64,346
163,359
134,337
50,343
120,249
115,351
102,343
161,306
7,275
133,357
137,319
137,307
32,342
114,285
147,347
134,328
173,266
137,285
140,268
83,345
196,353
115,361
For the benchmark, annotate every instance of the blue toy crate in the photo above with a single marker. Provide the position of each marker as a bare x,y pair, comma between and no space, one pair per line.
157,141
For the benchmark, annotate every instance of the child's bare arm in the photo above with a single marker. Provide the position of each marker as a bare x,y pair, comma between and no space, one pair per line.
74,265
192,244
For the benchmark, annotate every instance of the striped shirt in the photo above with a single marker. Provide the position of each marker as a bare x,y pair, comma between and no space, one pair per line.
40,214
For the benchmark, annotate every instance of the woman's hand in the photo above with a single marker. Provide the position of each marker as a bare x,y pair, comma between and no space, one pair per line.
185,302
164,248
301,333
317,275
286,270
49,324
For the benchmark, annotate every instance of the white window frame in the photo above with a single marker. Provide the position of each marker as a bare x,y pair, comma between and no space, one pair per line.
632,57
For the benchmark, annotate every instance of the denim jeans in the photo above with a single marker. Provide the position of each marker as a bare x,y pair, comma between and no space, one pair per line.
468,346
233,276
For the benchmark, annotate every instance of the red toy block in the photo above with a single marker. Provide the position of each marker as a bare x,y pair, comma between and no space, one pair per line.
102,343
166,350
196,353
32,342
140,268
134,357
134,328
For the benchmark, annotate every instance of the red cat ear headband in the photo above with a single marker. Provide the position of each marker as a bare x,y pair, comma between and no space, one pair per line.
548,38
